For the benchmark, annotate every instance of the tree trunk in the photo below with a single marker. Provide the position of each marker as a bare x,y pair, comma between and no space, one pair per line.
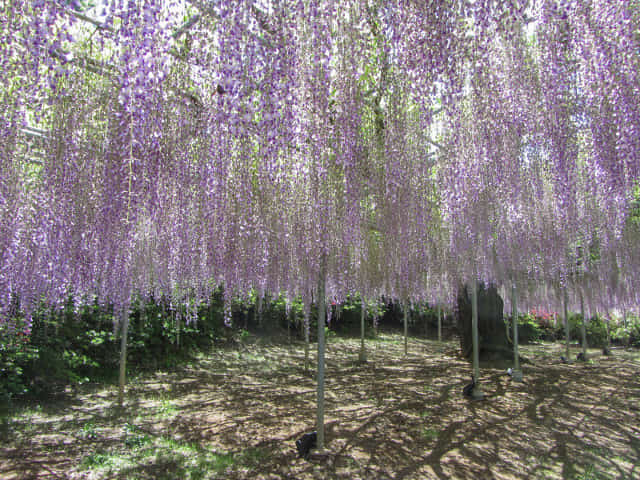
320,376
492,342
439,323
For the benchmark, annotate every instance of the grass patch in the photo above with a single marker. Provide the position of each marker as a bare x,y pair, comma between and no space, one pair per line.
134,437
430,389
146,457
88,431
96,461
167,409
590,473
429,434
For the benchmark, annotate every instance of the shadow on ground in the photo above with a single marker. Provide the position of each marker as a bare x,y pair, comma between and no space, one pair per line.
237,413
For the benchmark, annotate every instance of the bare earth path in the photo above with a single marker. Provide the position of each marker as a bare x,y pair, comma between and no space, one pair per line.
236,414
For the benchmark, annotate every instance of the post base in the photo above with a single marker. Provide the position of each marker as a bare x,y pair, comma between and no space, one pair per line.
516,375
322,454
477,393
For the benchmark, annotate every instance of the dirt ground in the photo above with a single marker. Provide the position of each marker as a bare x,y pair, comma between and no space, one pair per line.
236,414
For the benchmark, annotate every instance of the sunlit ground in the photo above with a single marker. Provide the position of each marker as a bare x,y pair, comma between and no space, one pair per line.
237,413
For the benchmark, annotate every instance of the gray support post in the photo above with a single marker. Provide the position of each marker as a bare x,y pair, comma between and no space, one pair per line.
583,327
406,314
306,337
517,373
566,323
362,357
320,376
123,357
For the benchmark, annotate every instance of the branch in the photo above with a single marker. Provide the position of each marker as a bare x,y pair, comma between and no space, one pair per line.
369,92
186,26
262,21
88,64
436,144
34,132
98,24
189,96
102,26
203,8
110,71
259,14
35,161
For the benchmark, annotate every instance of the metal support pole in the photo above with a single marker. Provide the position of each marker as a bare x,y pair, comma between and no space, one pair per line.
566,323
320,376
477,391
363,354
406,314
583,327
517,373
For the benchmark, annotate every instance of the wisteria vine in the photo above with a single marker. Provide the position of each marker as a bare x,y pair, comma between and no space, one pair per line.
161,148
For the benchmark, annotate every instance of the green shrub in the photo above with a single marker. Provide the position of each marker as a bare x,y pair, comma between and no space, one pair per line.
545,322
575,322
72,344
528,329
628,336
596,332
16,353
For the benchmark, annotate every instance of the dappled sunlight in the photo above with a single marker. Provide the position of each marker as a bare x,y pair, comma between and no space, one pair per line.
239,412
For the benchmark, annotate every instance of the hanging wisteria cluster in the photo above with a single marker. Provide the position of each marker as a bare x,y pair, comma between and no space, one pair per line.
387,147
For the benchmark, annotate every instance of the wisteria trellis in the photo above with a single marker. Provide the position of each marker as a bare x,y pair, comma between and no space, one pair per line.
401,146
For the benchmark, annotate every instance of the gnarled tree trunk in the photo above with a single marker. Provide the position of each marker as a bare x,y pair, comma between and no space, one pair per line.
493,341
